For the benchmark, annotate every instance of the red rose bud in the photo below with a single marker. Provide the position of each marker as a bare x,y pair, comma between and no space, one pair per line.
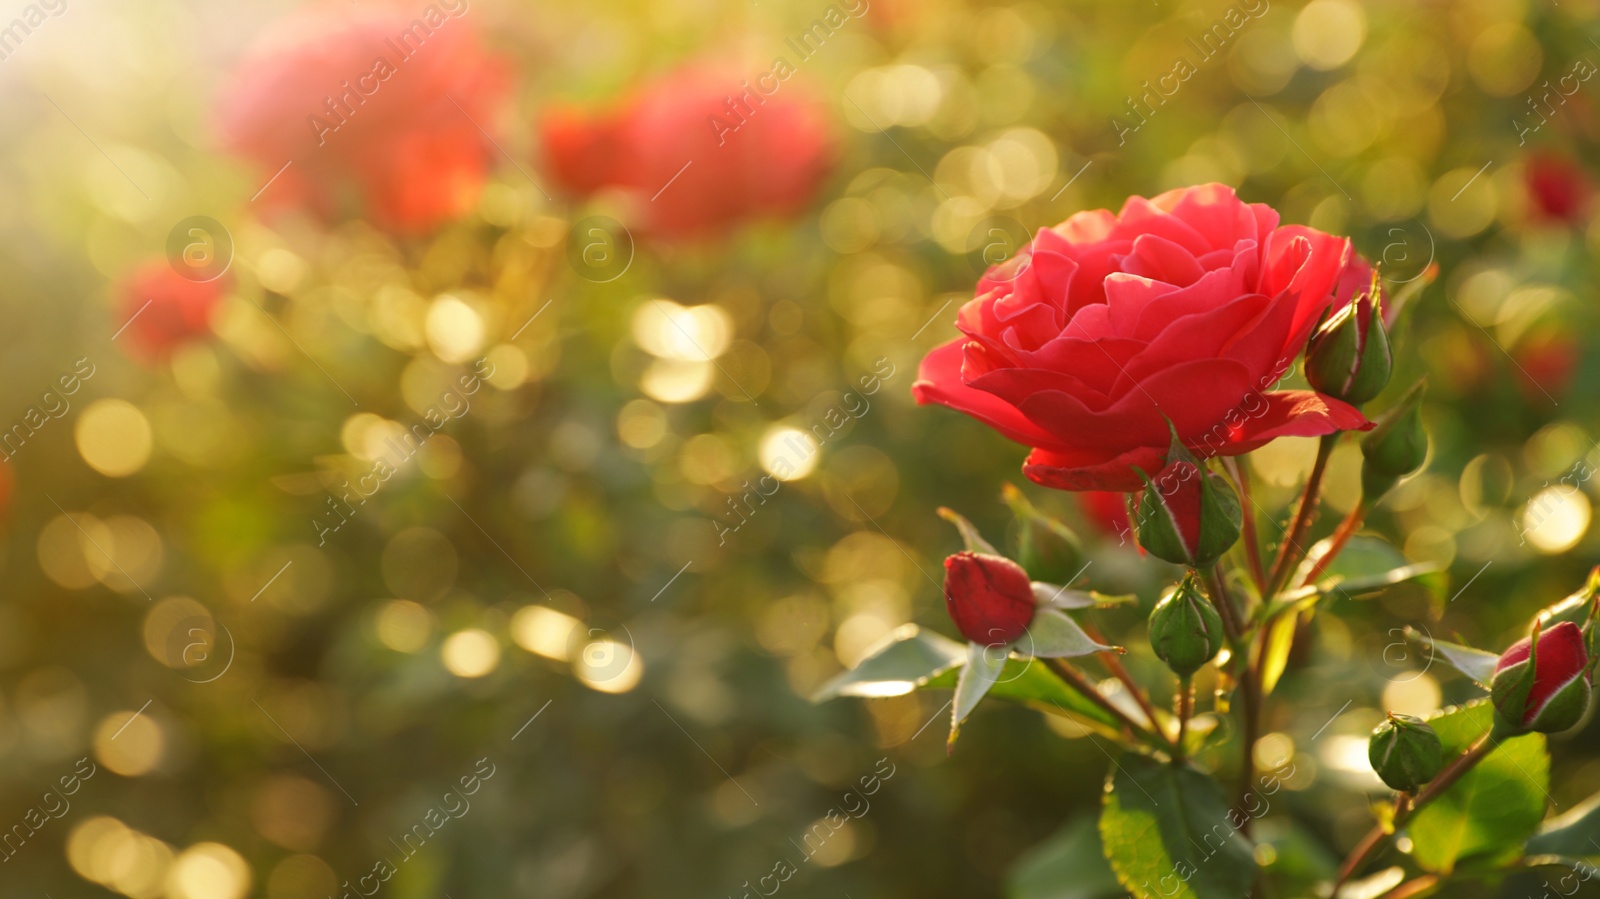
1185,630
1047,549
1187,515
1348,357
1542,682
1406,752
988,597
1396,447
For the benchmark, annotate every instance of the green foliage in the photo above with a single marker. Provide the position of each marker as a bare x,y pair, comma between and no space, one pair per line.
1487,814
1070,864
1169,833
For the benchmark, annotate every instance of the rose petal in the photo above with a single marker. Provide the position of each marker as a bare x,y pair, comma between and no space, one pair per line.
939,381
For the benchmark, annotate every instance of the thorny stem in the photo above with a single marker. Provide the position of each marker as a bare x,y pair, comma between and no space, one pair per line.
1252,543
1290,552
1340,537
1077,681
1114,665
1403,810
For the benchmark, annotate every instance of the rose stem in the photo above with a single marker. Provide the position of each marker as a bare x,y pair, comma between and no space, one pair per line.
1184,708
1249,690
1114,665
1289,552
1403,811
1252,542
1346,529
1076,680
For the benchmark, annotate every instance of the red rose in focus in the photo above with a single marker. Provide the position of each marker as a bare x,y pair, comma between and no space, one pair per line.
1189,306
1557,188
371,107
162,310
989,598
696,152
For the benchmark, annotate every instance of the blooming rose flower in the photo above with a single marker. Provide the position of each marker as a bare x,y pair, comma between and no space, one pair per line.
1187,307
696,150
175,310
373,107
988,597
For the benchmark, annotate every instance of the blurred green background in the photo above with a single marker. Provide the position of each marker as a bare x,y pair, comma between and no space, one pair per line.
268,717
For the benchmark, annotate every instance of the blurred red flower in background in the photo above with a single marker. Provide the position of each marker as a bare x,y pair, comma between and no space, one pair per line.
373,110
1558,189
1188,306
696,150
161,310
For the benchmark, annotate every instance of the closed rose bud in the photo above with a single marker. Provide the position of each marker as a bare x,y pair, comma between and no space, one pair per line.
1348,357
1405,752
1185,630
1542,682
1187,515
1047,549
1396,447
988,597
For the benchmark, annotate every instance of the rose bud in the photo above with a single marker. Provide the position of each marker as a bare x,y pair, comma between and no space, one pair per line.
1187,515
1542,682
1185,630
1047,549
1396,447
1348,357
1405,752
988,597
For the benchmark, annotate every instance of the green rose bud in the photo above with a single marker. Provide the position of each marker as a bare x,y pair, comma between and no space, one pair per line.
1185,630
1046,548
1186,515
1405,752
1348,357
1396,447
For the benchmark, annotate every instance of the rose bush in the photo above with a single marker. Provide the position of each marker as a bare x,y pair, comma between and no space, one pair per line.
1188,306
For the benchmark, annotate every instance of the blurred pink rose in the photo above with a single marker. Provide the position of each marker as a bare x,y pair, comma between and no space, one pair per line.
374,109
697,150
162,310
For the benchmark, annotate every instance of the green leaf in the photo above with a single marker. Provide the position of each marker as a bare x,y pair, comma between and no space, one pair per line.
1054,597
908,659
969,533
1575,834
1169,833
1053,635
1367,566
1474,663
1068,865
1275,657
1028,682
1494,807
984,666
